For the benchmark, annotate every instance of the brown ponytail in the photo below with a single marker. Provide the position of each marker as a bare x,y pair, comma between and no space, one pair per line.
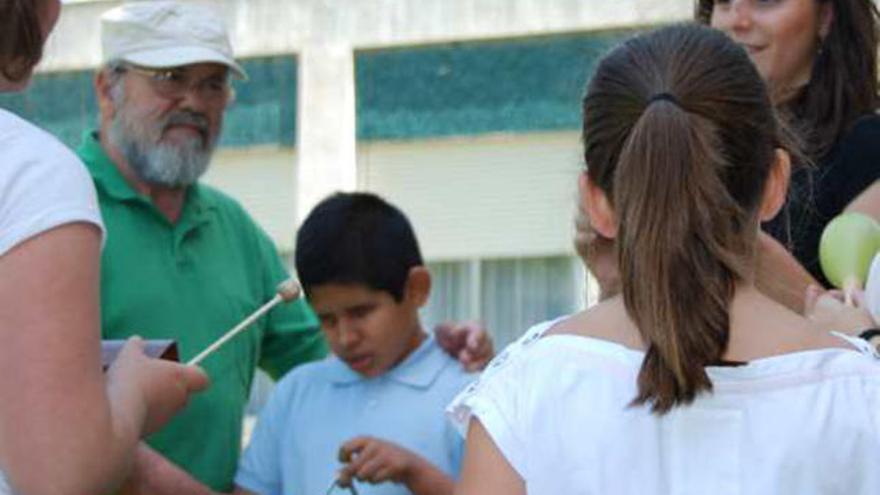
679,132
21,38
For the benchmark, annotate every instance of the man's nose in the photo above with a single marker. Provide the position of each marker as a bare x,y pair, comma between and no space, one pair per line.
195,100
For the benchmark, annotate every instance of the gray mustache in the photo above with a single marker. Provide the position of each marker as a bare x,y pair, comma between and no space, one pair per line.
189,118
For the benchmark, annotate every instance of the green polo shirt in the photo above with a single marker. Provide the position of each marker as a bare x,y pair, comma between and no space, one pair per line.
191,282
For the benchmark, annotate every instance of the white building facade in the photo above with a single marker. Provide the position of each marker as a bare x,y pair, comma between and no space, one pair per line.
464,113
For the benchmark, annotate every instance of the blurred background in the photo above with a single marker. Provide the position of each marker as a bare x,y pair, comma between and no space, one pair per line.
465,113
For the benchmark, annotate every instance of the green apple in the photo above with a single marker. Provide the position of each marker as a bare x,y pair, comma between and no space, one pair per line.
848,245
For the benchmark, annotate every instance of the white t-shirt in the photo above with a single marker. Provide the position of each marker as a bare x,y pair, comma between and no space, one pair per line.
42,185
557,407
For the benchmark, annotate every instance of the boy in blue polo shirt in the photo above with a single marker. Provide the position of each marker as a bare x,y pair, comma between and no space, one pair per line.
377,404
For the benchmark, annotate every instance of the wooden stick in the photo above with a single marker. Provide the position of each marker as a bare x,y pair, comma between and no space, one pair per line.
287,291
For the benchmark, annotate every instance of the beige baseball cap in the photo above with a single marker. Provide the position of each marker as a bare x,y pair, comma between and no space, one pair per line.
161,34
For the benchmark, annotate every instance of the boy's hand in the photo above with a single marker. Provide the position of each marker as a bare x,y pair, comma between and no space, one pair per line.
469,342
828,311
374,461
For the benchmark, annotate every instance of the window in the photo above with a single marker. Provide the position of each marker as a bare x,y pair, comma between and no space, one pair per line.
507,295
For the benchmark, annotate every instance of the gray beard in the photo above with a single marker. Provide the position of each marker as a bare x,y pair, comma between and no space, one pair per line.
159,164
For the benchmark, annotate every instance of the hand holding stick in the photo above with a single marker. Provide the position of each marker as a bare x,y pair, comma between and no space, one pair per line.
287,291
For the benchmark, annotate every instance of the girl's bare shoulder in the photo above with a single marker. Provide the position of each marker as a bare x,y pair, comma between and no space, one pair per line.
606,320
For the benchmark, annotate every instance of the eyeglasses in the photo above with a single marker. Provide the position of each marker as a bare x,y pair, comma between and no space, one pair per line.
176,82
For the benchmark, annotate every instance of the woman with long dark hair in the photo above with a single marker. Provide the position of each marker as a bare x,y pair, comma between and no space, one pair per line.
819,60
64,426
691,380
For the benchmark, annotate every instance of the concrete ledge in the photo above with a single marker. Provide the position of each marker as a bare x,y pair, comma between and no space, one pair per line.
266,27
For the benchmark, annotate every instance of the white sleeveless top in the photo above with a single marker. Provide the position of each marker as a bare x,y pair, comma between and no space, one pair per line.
558,410
42,185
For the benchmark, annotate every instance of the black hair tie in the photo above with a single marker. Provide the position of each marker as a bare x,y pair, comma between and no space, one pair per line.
663,96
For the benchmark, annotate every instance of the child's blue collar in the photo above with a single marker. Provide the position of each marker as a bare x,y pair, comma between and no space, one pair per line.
418,370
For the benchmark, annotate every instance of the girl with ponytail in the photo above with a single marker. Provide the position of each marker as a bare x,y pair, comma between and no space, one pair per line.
690,380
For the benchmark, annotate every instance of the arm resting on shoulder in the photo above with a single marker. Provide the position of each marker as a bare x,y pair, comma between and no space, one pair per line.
780,276
468,342
868,202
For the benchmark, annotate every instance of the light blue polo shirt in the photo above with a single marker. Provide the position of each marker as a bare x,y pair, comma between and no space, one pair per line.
319,406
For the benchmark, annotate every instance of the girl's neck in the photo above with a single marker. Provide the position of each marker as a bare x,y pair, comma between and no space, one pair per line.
759,327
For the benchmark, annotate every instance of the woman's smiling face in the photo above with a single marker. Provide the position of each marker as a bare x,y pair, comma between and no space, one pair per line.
782,37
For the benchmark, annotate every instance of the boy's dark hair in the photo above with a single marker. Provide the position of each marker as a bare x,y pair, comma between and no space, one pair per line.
356,238
21,40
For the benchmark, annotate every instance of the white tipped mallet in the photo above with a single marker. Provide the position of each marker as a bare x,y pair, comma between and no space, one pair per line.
287,291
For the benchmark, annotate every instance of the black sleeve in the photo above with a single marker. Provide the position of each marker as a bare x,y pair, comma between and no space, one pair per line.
857,167
820,193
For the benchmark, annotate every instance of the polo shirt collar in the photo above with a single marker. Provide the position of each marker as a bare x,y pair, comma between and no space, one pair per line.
418,370
104,172
108,178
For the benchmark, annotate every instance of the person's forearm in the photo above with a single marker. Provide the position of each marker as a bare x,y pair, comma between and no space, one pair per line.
868,202
155,475
426,479
780,276
59,432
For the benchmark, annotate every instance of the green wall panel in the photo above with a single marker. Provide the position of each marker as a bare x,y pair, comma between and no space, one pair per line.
63,103
264,111
516,85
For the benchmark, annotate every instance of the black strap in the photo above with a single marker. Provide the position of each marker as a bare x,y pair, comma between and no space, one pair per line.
663,96
869,333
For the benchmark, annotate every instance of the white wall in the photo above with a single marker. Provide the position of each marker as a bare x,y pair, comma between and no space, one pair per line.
454,189
492,196
262,179
264,27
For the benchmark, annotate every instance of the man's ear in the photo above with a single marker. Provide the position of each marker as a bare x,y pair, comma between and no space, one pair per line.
418,286
106,105
776,188
596,205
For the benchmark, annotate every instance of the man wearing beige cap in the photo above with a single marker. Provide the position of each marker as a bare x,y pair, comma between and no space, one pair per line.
183,260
